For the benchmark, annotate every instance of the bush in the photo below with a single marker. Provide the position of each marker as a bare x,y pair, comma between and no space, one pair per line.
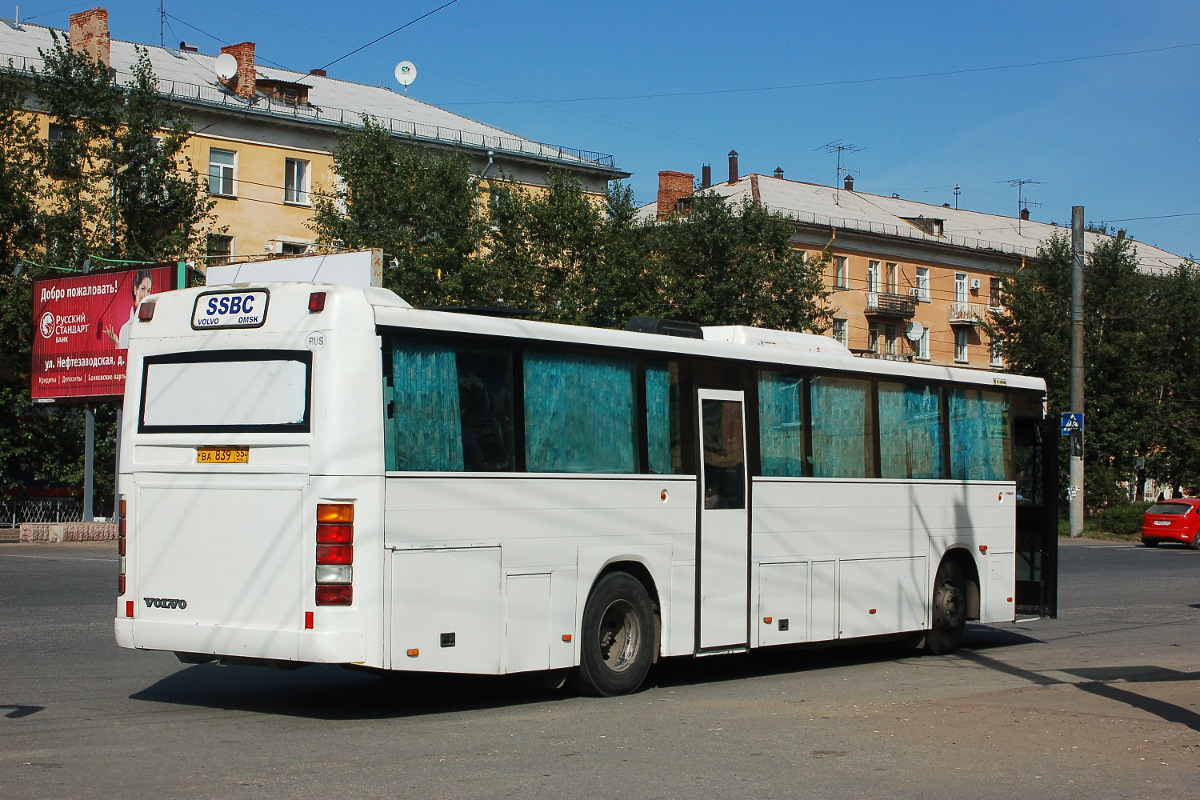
1124,519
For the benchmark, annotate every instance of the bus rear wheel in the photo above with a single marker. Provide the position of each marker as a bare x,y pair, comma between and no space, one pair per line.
617,644
949,610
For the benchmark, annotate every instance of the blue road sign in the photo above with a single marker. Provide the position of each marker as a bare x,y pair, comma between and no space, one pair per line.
1071,422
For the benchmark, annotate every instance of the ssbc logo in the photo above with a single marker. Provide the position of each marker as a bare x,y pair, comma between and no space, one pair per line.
46,325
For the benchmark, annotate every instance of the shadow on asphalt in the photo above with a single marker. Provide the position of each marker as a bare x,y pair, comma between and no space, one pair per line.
335,693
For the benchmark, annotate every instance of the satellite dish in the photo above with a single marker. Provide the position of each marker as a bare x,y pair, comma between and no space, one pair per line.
914,331
406,72
226,66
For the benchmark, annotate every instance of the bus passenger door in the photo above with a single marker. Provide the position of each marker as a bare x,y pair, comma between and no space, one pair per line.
1036,467
723,571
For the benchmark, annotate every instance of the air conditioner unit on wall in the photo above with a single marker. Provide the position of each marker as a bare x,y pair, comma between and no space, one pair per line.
975,284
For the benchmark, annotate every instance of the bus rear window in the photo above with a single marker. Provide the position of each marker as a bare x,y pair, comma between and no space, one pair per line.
235,391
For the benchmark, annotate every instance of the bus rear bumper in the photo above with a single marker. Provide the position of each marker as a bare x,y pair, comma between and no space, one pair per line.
305,646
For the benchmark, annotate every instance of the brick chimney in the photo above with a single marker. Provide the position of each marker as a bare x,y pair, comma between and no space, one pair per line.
1025,214
673,187
733,166
848,184
705,176
89,33
779,173
243,84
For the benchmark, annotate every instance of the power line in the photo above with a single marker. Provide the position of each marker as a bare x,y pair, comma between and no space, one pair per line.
386,35
846,82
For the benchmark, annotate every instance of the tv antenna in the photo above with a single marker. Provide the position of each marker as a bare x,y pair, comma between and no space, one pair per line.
406,73
837,146
1020,184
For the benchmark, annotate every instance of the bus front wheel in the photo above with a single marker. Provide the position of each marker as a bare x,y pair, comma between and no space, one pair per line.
617,644
949,610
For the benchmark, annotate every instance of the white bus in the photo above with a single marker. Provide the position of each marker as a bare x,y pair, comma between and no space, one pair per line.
320,473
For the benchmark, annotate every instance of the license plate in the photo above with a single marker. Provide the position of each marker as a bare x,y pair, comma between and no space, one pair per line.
1162,522
222,455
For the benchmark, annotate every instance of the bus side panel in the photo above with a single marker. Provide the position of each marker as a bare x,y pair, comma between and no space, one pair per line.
444,614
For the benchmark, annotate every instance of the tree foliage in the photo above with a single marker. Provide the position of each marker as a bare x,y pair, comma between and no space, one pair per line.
558,251
1140,345
121,185
112,183
420,208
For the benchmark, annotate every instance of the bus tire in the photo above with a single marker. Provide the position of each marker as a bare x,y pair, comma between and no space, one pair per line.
617,642
949,612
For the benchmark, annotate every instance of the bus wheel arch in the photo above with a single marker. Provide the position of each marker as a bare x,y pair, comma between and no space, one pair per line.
955,599
620,632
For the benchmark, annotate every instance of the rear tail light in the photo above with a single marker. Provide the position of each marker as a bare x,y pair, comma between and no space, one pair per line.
334,575
121,546
316,302
146,311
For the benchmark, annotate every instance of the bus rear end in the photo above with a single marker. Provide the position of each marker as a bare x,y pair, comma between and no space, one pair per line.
250,509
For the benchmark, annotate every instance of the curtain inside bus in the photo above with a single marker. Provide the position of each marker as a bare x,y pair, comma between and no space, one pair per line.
780,423
842,435
979,435
564,433
910,432
425,408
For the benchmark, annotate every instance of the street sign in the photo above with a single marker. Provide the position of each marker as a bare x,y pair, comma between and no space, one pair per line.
1071,422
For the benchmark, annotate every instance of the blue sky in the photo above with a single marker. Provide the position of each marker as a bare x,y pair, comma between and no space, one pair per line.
1108,116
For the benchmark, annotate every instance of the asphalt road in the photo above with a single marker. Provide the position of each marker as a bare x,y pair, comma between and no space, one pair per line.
1102,703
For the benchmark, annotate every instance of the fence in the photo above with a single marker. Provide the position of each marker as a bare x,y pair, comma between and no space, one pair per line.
53,509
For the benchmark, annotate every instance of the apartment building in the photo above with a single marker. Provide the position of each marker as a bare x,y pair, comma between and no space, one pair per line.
263,136
909,281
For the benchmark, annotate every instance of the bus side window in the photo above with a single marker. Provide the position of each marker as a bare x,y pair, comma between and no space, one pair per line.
781,424
662,418
485,396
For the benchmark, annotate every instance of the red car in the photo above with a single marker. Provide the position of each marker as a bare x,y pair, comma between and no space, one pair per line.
1172,521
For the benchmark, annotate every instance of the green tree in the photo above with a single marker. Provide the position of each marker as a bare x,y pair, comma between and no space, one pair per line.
421,208
22,162
734,265
121,186
1139,393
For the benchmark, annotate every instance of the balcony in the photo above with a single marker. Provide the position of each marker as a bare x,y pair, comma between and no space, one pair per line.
967,313
883,304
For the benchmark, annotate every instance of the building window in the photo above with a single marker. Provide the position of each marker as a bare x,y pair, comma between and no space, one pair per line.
893,282
220,172
995,296
839,272
923,284
997,360
840,332
295,182
61,161
292,248
872,276
218,249
873,337
890,336
960,346
960,287
923,345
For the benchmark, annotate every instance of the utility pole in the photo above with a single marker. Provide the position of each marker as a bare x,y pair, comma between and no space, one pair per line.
1075,490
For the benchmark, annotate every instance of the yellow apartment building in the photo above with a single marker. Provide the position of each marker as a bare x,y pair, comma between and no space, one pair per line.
909,281
263,136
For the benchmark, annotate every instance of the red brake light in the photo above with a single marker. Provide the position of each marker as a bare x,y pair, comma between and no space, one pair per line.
316,302
335,533
335,595
335,554
146,311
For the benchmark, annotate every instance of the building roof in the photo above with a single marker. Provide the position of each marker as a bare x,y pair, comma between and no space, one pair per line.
190,78
850,209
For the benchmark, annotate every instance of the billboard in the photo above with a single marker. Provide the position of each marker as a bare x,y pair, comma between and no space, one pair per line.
81,331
